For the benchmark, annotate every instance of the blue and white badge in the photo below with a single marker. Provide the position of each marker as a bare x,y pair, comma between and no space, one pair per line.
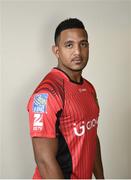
40,103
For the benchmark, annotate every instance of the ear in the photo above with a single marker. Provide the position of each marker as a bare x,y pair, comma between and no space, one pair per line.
55,50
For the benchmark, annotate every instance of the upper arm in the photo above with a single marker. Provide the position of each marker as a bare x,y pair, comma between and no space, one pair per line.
97,141
45,149
44,114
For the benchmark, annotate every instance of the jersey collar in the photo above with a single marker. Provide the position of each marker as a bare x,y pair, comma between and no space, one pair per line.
66,76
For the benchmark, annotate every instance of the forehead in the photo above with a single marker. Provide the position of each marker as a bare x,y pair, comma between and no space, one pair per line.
74,34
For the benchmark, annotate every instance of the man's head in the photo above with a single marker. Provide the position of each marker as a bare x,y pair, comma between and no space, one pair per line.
71,45
67,24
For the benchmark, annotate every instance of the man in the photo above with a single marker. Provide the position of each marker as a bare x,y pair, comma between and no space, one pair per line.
63,112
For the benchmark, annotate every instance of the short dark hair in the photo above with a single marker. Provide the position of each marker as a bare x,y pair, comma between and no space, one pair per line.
68,24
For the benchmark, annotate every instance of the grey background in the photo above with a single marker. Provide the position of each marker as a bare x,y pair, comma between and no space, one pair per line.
26,36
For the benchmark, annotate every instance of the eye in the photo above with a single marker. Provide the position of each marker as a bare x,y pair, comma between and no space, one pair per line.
84,44
69,45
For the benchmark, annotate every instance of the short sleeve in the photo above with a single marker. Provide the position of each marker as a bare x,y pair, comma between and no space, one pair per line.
43,109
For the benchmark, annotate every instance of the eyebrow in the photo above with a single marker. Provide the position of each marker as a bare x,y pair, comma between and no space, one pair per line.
84,40
68,41
71,41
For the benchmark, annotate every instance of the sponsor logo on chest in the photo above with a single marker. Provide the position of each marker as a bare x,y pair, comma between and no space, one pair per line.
79,131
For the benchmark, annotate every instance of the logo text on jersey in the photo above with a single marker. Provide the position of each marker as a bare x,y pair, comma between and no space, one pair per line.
38,122
79,131
82,90
40,103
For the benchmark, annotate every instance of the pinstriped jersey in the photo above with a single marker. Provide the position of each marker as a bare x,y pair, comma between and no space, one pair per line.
60,108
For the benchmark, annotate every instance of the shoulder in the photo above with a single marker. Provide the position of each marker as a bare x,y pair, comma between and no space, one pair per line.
90,85
51,87
52,82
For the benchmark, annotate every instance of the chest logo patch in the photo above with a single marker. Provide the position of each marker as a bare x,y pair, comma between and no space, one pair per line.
40,103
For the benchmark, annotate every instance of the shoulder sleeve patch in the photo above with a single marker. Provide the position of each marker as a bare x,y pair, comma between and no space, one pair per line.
40,103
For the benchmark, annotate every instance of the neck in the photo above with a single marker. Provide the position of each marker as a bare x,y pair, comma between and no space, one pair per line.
74,75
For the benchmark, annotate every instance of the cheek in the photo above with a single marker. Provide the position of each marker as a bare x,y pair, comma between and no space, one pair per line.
65,55
85,53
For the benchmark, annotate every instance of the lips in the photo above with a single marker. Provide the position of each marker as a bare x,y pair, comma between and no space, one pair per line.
77,59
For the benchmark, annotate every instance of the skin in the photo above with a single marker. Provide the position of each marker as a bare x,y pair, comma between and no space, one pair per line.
98,166
45,150
72,52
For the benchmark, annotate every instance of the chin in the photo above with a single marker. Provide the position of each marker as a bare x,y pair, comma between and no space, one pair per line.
78,68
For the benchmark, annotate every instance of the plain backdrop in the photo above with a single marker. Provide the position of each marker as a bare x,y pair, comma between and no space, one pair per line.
26,36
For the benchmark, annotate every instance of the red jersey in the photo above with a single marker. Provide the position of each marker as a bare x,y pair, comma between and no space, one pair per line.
69,111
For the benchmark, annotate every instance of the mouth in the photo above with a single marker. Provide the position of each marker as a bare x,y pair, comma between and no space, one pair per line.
77,60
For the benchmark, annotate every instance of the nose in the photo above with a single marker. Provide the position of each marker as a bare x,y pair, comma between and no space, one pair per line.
77,50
